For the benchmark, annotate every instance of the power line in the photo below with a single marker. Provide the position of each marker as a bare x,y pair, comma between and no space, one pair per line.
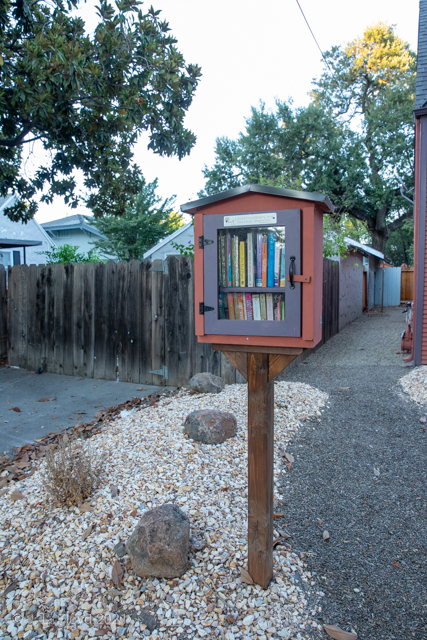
314,37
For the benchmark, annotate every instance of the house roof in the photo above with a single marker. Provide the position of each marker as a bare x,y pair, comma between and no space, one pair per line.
6,243
364,248
189,207
77,221
168,238
4,204
421,85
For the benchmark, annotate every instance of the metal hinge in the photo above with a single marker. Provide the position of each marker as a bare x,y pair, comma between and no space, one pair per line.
160,372
203,308
203,241
161,267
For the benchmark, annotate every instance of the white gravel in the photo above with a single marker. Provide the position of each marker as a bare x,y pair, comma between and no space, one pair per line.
415,384
152,463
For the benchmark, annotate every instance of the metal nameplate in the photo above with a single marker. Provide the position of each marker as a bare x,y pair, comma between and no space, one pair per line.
250,219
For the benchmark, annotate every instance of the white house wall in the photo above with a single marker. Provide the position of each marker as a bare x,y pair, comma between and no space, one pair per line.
186,238
78,238
30,231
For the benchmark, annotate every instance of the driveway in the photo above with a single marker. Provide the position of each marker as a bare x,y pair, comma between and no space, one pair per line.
360,473
67,401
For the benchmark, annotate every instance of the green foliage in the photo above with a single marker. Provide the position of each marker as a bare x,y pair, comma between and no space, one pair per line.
87,98
349,143
184,250
142,225
400,245
70,253
335,231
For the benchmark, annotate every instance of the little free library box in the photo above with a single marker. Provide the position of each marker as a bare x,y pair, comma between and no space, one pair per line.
258,262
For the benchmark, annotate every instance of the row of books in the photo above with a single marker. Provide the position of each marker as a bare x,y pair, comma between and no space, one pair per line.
252,258
251,306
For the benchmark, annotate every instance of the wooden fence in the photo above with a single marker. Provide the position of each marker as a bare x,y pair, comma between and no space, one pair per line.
131,320
407,284
3,312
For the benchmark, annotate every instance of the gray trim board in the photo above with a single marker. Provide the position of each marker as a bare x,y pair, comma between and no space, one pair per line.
258,188
6,244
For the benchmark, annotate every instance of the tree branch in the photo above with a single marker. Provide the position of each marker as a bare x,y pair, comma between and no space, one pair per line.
396,224
15,142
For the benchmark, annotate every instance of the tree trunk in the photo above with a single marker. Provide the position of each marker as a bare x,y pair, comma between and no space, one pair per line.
380,232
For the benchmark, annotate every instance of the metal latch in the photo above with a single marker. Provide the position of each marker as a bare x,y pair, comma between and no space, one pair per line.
203,241
160,372
203,308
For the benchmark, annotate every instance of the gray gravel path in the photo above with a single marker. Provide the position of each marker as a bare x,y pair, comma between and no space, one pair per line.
371,575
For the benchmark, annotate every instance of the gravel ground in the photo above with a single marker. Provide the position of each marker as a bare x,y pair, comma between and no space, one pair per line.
360,474
56,563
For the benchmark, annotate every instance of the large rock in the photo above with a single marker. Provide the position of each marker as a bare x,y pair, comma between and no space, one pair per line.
206,383
210,426
159,545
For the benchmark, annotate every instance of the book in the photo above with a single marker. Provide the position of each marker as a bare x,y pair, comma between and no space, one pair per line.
269,302
277,247
256,308
242,264
235,261
282,279
270,259
240,307
230,301
249,309
282,304
221,306
258,277
278,308
228,261
264,262
263,306
250,260
221,248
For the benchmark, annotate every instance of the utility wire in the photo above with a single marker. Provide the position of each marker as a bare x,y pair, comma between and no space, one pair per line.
314,37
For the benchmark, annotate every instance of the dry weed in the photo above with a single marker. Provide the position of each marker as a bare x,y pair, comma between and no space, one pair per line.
72,472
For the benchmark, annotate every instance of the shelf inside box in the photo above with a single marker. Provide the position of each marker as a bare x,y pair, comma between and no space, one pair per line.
252,289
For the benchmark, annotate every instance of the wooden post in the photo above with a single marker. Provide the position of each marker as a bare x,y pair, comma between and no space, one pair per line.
260,365
260,469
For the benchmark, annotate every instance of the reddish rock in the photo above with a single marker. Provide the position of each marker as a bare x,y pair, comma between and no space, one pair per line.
210,426
159,545
206,383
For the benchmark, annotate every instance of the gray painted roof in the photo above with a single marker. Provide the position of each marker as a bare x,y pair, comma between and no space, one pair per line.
77,221
258,188
421,86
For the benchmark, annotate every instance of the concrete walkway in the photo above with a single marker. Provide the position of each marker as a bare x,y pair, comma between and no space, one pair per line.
70,400
360,473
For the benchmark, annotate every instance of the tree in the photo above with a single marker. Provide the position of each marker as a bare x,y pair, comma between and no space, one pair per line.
354,142
400,245
69,253
87,98
142,225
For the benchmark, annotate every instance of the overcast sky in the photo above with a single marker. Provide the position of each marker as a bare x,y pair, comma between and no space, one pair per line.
249,50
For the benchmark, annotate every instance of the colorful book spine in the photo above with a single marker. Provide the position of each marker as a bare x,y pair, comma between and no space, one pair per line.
263,306
242,264
250,260
282,304
269,301
240,306
278,309
222,282
249,308
282,280
235,260
276,263
258,278
230,301
270,259
264,262
228,261
256,308
221,306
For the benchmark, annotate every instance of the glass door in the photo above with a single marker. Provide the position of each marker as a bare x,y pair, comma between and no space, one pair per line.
249,259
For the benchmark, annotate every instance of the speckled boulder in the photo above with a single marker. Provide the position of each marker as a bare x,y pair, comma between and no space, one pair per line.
206,383
159,545
210,426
